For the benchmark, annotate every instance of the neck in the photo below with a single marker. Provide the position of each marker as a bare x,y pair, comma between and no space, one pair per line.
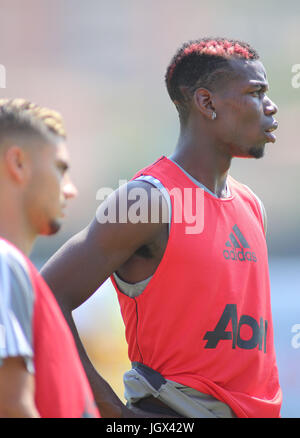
199,156
17,239
13,226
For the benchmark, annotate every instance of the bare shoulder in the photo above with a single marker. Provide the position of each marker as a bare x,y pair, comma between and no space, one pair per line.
136,207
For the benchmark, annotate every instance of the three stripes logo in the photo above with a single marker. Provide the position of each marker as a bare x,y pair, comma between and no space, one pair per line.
238,247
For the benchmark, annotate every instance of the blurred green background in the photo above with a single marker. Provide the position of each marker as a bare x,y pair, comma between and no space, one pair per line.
102,65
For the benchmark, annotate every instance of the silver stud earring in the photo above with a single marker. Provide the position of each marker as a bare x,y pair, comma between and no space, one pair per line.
214,115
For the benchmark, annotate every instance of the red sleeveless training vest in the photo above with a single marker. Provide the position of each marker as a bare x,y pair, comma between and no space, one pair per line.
61,386
204,320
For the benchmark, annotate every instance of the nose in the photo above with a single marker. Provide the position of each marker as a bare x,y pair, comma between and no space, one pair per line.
69,190
270,108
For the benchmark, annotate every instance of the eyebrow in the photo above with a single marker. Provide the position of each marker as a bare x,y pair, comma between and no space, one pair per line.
259,84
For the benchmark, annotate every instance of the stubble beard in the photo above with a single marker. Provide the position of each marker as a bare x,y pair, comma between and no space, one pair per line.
257,151
54,226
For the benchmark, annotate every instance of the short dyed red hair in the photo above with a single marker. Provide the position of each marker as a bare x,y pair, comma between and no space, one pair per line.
196,63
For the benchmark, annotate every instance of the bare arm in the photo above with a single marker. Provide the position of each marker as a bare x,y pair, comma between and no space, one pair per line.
16,390
79,268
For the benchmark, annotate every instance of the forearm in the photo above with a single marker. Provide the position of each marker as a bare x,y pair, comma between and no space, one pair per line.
18,410
17,389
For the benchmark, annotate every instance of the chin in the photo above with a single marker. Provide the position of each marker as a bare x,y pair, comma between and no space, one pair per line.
53,227
257,152
246,151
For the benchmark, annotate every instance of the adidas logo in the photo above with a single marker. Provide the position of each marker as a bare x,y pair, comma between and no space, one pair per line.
239,247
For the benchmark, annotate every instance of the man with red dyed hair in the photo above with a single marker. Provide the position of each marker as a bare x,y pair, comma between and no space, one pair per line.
195,302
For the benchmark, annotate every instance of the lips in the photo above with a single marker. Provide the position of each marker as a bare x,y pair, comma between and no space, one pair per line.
272,127
269,132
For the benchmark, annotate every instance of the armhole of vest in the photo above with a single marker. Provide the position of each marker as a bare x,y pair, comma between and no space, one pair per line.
118,282
261,207
158,184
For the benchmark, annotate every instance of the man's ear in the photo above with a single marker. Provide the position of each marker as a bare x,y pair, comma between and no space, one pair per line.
17,165
203,102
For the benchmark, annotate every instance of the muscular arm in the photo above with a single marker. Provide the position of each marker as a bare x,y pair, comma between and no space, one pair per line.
79,268
16,390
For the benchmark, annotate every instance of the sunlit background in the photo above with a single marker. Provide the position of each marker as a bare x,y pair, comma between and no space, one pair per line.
102,65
